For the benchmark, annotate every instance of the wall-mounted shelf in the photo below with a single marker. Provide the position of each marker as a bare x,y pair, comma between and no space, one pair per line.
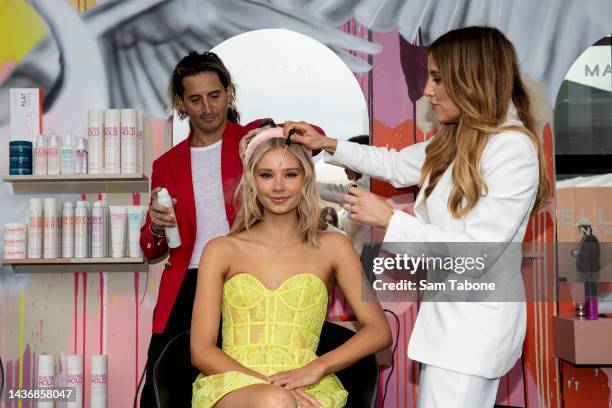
80,183
56,265
580,341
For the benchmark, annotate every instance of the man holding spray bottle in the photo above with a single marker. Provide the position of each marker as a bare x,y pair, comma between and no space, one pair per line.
200,175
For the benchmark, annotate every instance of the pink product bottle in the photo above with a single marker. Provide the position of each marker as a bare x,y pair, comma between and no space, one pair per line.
53,155
95,141
35,228
112,141
51,228
40,155
140,145
129,140
81,157
98,230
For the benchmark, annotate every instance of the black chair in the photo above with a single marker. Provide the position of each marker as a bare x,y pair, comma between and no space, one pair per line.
173,373
360,379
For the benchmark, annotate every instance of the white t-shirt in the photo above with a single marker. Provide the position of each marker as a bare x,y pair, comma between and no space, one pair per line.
211,219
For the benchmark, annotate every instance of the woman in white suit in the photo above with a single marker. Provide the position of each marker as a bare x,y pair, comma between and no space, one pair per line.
482,175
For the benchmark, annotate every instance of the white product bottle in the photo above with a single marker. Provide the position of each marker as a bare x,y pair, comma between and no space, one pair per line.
99,381
88,228
81,241
95,135
172,233
80,158
140,145
59,207
53,155
15,235
98,233
45,378
35,228
112,145
107,234
67,165
134,222
50,228
74,379
129,135
68,230
39,154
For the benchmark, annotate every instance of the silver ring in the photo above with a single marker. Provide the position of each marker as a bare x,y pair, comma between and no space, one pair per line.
350,207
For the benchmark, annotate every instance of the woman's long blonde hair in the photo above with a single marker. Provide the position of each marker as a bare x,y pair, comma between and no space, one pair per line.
251,210
480,73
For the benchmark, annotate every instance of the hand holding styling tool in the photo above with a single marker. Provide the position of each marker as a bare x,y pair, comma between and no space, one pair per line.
287,143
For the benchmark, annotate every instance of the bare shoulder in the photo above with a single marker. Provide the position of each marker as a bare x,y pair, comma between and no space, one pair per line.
220,246
334,242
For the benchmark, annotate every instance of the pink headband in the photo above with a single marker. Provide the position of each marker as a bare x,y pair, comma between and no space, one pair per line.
261,137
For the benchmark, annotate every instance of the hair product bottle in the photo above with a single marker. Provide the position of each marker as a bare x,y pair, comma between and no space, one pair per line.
40,155
81,241
51,227
129,136
74,379
112,146
99,381
140,144
35,228
45,378
98,233
95,140
53,155
173,236
68,230
67,164
80,157
15,240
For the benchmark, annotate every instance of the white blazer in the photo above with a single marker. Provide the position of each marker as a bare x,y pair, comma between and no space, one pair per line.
476,338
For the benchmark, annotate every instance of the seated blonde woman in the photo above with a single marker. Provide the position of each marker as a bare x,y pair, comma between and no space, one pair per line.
267,285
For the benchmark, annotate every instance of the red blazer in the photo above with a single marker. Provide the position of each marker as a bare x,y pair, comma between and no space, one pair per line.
173,171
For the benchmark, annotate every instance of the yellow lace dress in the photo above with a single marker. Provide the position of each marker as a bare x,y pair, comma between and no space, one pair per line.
270,331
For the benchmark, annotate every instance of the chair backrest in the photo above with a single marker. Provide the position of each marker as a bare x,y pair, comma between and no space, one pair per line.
361,379
173,373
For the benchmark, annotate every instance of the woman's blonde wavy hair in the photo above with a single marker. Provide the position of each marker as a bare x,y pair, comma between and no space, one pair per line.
480,73
251,210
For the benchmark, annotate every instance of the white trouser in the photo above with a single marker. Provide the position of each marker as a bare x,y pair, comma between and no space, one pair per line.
441,388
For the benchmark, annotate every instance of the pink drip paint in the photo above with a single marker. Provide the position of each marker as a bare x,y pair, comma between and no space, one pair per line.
101,311
84,327
9,380
76,297
28,369
16,374
136,201
136,285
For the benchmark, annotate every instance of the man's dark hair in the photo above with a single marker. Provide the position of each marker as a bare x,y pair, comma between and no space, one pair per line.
195,63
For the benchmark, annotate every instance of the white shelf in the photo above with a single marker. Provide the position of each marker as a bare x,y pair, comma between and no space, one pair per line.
80,183
55,265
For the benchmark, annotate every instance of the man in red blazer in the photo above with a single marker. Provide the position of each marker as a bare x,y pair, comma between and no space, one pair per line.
201,174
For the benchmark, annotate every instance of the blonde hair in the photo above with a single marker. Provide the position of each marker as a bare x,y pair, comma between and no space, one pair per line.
251,210
480,73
